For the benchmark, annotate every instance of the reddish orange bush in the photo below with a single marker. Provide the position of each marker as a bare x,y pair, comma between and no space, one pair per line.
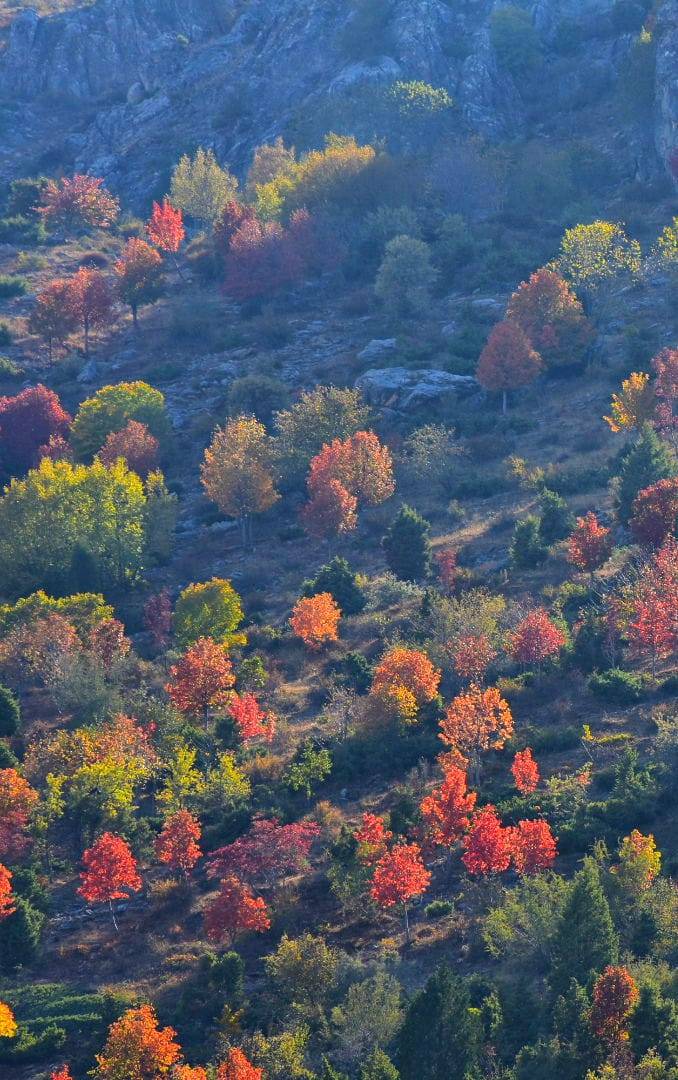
315,619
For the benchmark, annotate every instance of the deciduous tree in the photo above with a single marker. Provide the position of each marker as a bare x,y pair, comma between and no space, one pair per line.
27,421
590,545
111,409
315,619
135,444
253,721
446,811
17,802
653,628
533,846
238,471
78,202
634,405
209,609
400,876
53,316
548,312
592,254
158,618
137,1048
361,465
475,721
331,511
8,1025
201,188
110,872
139,275
6,894
615,996
536,638
471,655
487,846
525,772
654,515
202,679
508,360
177,845
92,300
639,862
235,909
238,1067
268,852
373,838
165,228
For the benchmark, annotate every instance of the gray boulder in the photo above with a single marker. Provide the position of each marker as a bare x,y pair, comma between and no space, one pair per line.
406,390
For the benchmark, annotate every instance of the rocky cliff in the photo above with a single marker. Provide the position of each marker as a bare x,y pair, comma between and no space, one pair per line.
120,87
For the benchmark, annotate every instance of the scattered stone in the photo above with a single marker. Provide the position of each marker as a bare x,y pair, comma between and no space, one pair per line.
377,348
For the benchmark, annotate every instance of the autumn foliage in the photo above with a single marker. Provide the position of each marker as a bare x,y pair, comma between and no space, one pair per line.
590,544
552,318
135,445
615,996
78,202
634,405
487,847
166,227
238,1067
137,1048
109,871
17,801
372,837
28,421
475,721
508,360
446,811
54,316
138,274
360,463
406,678
233,910
315,619
6,894
472,654
202,678
8,1025
536,638
532,846
399,876
177,845
266,853
525,772
253,721
655,512
330,512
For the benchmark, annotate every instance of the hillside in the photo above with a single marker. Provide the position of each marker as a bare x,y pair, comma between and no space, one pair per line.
339,541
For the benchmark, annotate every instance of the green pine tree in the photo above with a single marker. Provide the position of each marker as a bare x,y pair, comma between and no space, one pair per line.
557,521
20,935
647,461
378,1067
407,545
10,713
527,547
586,940
337,578
440,1037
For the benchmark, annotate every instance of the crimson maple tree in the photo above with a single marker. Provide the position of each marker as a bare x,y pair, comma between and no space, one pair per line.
235,909
654,516
448,570
165,228
109,872
27,421
548,312
372,837
615,996
91,300
525,772
590,544
253,721
446,811
135,444
158,618
487,846
472,654
331,511
400,876
532,846
177,845
6,894
64,1073
202,679
508,360
536,638
137,1048
268,852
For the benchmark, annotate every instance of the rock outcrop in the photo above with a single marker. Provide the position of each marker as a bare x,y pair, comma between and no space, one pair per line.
405,390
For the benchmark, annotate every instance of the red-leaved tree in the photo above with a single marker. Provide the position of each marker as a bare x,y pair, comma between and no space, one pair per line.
202,679
590,544
234,910
400,876
27,421
267,853
238,1067
508,360
446,811
6,894
360,464
550,315
525,772
331,511
448,570
487,847
471,655
536,638
158,618
177,845
253,721
372,837
655,512
109,872
91,299
78,202
615,996
136,445
17,802
166,229
53,317
532,846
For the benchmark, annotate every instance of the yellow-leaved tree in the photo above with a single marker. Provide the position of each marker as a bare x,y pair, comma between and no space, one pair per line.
238,472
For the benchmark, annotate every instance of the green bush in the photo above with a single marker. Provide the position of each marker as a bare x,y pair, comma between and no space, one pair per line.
407,546
5,334
10,713
258,395
557,521
515,40
20,935
20,229
12,285
527,549
337,578
617,686
111,408
438,908
10,370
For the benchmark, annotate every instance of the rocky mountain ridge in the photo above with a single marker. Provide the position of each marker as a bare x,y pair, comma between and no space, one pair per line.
120,87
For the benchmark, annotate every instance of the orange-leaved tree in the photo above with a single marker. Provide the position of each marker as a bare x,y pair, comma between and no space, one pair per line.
138,274
508,360
6,895
137,1048
78,202
109,872
487,846
590,544
235,909
549,313
238,1067
177,845
405,680
475,721
166,230
536,638
315,619
17,802
238,472
532,845
372,837
446,811
525,772
253,721
400,876
202,679
471,655
615,996
357,470
8,1025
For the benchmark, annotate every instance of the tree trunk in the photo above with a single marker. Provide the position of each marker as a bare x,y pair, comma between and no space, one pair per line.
504,401
86,329
407,924
110,905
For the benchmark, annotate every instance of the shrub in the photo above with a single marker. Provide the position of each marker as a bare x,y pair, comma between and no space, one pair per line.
6,336
257,395
438,908
11,285
406,276
407,546
557,520
515,40
20,935
617,686
10,713
10,370
337,578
